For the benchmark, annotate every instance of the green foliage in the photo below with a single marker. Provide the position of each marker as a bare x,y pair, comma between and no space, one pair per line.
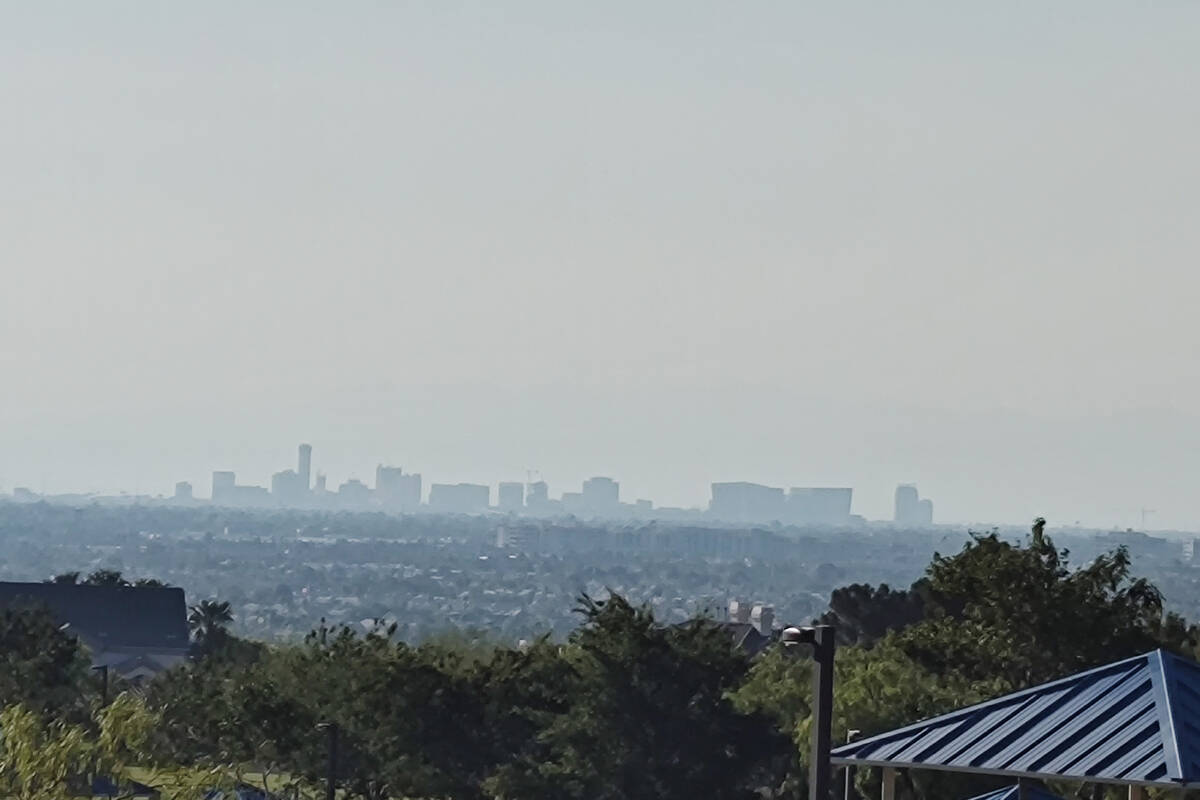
209,623
864,614
105,577
1021,615
46,758
650,715
38,758
42,665
627,708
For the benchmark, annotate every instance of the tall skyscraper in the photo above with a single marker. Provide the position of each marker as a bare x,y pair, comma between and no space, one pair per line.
305,466
911,509
906,504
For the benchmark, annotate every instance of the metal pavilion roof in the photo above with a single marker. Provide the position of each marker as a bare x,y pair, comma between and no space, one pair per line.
1136,721
1014,792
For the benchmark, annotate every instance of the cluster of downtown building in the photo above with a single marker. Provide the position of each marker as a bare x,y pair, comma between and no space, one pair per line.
399,491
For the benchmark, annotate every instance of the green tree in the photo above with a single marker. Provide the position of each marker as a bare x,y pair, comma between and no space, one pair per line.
209,622
649,716
1022,615
42,665
46,757
105,577
864,614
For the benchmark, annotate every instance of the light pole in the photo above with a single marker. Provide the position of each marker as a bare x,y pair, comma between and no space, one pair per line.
821,637
331,728
851,735
103,670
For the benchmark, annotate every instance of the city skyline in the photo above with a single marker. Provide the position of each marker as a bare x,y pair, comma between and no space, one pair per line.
599,496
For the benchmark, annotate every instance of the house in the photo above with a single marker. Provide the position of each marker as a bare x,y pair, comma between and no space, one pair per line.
134,631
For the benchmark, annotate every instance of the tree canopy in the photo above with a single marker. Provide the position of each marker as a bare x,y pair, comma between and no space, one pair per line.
628,706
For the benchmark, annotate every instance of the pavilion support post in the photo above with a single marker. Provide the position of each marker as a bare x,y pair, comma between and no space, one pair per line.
1137,792
1023,789
889,784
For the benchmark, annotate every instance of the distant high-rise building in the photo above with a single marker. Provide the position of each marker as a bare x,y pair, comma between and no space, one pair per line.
572,503
819,506
601,495
459,498
304,467
397,490
906,504
319,487
223,482
747,502
911,509
183,491
288,488
537,495
510,496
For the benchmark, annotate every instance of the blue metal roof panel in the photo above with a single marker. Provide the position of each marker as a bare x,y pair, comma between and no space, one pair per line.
1133,721
1013,792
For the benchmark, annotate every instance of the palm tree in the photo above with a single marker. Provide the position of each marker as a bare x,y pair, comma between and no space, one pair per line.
209,620
106,577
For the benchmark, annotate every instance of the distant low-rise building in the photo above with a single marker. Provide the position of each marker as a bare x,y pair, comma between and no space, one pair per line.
226,492
354,494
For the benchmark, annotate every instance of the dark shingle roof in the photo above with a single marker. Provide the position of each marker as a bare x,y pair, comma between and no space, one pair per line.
110,616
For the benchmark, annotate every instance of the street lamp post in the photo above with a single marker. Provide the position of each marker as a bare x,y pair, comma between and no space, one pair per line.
821,637
848,793
331,729
103,670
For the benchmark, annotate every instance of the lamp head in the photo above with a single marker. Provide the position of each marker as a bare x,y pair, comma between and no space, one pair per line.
792,636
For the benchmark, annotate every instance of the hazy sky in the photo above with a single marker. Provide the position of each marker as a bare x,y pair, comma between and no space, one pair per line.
674,242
